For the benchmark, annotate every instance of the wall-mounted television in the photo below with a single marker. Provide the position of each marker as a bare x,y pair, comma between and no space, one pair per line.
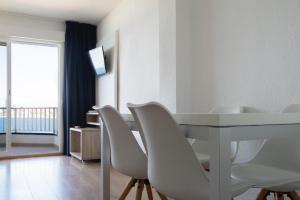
98,60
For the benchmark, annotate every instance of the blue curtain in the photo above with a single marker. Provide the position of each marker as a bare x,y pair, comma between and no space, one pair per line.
79,76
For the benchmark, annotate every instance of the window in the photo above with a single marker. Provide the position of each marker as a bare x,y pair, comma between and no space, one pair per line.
34,88
34,75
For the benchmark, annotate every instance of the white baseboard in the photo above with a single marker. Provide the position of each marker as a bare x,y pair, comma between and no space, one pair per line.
35,139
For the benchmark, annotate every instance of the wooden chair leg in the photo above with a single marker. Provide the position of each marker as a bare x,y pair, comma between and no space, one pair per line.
128,188
161,196
293,195
280,196
263,194
140,188
149,189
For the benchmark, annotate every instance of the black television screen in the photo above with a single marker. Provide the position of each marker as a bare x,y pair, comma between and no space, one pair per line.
98,60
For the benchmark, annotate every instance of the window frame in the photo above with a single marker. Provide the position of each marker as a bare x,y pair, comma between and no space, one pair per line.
7,41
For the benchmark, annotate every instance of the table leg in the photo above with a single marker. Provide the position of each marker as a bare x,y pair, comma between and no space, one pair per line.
220,163
105,165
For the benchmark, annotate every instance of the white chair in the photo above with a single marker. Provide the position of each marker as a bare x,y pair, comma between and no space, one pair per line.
126,155
173,168
276,168
247,150
241,151
201,148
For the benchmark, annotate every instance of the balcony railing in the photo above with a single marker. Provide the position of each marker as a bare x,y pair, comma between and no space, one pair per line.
30,120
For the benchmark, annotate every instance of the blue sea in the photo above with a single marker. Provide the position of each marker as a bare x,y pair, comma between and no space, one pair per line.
29,125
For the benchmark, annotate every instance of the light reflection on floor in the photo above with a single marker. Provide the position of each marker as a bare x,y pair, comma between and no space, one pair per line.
28,150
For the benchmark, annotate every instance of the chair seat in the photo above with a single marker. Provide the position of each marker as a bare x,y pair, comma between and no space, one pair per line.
288,187
265,176
238,187
202,158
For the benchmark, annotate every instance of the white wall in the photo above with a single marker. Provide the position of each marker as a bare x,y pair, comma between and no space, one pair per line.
177,44
196,54
184,56
137,21
245,53
167,54
19,25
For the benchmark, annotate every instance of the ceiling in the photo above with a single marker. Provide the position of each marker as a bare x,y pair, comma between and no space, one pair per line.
89,11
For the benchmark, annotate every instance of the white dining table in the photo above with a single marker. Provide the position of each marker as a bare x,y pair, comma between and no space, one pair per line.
219,130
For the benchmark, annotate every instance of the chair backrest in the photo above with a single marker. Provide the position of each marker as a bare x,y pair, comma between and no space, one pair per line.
226,110
229,110
281,152
138,124
247,150
203,146
173,168
126,155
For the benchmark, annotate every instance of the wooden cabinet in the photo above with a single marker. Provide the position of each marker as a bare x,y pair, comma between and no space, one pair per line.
92,118
85,143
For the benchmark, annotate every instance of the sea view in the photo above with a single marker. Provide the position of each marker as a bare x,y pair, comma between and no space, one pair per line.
30,125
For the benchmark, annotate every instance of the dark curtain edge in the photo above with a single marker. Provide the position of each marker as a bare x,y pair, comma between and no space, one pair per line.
79,76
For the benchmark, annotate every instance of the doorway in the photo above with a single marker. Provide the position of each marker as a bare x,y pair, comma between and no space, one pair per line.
30,111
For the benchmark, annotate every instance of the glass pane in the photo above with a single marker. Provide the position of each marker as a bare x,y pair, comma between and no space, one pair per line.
34,88
3,90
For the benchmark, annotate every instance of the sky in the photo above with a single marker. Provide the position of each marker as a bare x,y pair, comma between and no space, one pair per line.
34,76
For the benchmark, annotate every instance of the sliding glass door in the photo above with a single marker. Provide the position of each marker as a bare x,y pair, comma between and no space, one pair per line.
34,81
4,106
29,97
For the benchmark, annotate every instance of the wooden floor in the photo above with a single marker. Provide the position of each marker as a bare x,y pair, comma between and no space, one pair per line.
55,178
19,150
62,178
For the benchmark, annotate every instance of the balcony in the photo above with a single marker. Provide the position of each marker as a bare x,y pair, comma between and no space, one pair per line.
30,121
34,130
